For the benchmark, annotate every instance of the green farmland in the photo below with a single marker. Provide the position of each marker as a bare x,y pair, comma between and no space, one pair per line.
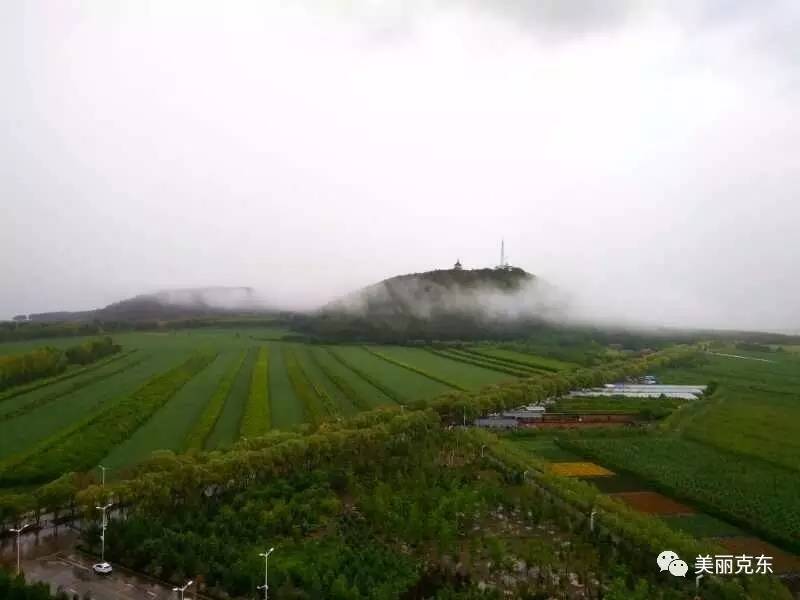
206,388
736,455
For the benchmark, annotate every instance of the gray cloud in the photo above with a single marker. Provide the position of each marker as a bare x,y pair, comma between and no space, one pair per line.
643,160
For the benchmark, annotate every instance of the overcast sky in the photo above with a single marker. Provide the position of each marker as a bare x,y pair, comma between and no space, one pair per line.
645,159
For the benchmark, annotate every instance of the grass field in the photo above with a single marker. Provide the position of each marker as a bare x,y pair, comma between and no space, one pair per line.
755,410
226,430
22,433
361,393
208,410
401,384
169,425
316,372
460,374
287,410
509,370
327,382
522,358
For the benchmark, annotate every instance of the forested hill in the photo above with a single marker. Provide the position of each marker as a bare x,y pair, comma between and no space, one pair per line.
443,304
426,294
169,305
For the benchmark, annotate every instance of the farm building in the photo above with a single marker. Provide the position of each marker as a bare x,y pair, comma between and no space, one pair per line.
512,418
496,422
523,413
636,390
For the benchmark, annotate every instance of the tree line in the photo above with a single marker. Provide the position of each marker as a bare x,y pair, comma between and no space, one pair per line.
17,369
15,588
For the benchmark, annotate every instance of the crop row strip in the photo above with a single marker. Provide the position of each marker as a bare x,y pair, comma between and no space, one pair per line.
85,443
257,417
354,397
35,385
198,436
490,361
75,386
478,363
313,406
369,379
531,364
330,405
414,369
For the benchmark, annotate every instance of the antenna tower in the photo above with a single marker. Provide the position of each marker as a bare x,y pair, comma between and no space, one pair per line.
503,262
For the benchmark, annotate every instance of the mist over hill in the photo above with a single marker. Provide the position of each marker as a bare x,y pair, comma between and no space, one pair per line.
170,304
442,304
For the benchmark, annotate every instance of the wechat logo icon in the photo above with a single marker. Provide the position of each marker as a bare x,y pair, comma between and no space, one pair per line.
669,561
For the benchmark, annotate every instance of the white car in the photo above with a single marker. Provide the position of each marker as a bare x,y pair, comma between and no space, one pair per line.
102,568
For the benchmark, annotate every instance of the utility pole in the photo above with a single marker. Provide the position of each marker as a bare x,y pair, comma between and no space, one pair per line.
103,480
265,587
18,531
182,589
103,532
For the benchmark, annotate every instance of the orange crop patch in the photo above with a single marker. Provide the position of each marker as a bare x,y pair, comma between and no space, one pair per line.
653,503
579,469
782,562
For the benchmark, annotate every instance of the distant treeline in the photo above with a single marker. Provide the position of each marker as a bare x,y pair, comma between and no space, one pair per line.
584,345
33,330
16,369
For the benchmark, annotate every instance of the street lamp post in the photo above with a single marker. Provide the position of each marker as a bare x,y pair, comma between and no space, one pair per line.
182,589
103,532
18,531
265,587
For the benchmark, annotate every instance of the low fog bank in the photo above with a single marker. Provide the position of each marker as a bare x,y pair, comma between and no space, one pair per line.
639,158
486,294
218,297
647,301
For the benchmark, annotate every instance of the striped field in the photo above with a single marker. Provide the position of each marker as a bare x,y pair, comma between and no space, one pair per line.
236,383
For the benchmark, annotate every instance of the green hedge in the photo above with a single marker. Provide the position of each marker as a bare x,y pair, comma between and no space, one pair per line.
19,369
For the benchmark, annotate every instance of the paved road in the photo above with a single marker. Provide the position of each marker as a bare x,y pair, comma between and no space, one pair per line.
73,574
